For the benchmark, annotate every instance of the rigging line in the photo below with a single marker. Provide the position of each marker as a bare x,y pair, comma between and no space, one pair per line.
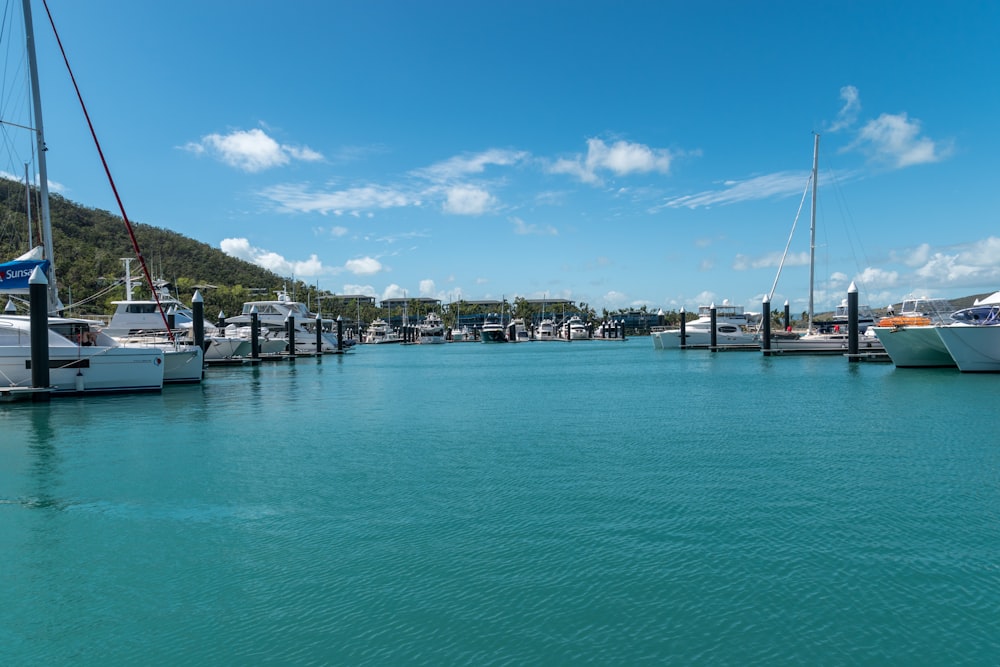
851,232
788,243
107,171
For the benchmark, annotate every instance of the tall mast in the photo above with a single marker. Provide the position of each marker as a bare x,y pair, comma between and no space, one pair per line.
812,231
43,175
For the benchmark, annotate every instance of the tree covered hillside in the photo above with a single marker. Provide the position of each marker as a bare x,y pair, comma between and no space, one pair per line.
89,244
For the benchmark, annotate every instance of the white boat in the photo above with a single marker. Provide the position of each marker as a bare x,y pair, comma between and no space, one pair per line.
461,334
574,329
517,332
81,358
733,327
909,337
546,330
141,322
274,314
378,332
269,342
820,339
492,331
431,330
973,339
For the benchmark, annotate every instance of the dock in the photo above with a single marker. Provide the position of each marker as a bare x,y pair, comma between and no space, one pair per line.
15,394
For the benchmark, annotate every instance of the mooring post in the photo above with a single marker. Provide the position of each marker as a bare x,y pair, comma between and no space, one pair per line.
683,329
852,322
254,333
712,316
319,334
765,341
198,319
38,294
340,333
290,328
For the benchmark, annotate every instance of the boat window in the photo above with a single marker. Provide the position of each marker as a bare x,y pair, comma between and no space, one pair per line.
141,308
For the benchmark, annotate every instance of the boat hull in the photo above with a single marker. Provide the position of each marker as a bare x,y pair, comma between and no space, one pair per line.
914,347
95,370
492,336
975,349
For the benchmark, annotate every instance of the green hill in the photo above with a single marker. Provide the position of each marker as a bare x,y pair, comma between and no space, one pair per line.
89,244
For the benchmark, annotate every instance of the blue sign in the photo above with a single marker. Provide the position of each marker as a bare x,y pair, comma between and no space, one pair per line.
14,275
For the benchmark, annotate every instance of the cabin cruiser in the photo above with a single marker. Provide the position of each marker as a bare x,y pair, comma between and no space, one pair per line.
517,332
973,338
431,330
492,331
733,327
378,332
546,330
141,321
274,314
574,329
910,337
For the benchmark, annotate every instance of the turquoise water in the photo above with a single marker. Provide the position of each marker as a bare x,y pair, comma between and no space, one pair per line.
546,503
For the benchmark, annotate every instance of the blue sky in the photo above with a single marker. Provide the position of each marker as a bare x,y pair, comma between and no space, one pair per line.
617,153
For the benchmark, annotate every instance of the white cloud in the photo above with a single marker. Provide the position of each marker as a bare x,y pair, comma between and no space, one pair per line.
367,290
297,198
779,184
338,231
621,158
880,278
894,139
614,300
468,200
272,261
427,288
363,266
848,113
393,291
769,260
521,227
251,150
475,163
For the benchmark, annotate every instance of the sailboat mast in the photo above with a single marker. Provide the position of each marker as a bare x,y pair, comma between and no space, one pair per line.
43,176
812,231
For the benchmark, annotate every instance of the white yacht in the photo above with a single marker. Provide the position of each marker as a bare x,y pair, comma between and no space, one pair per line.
546,330
140,322
910,337
378,332
734,327
574,329
517,332
973,338
274,315
431,330
461,335
492,331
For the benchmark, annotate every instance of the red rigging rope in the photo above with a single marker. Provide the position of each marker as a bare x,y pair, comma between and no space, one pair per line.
107,170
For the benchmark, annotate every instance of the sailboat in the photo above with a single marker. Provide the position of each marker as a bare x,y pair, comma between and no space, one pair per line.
833,339
82,359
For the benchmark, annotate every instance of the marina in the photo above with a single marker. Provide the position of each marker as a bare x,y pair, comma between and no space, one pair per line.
726,508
